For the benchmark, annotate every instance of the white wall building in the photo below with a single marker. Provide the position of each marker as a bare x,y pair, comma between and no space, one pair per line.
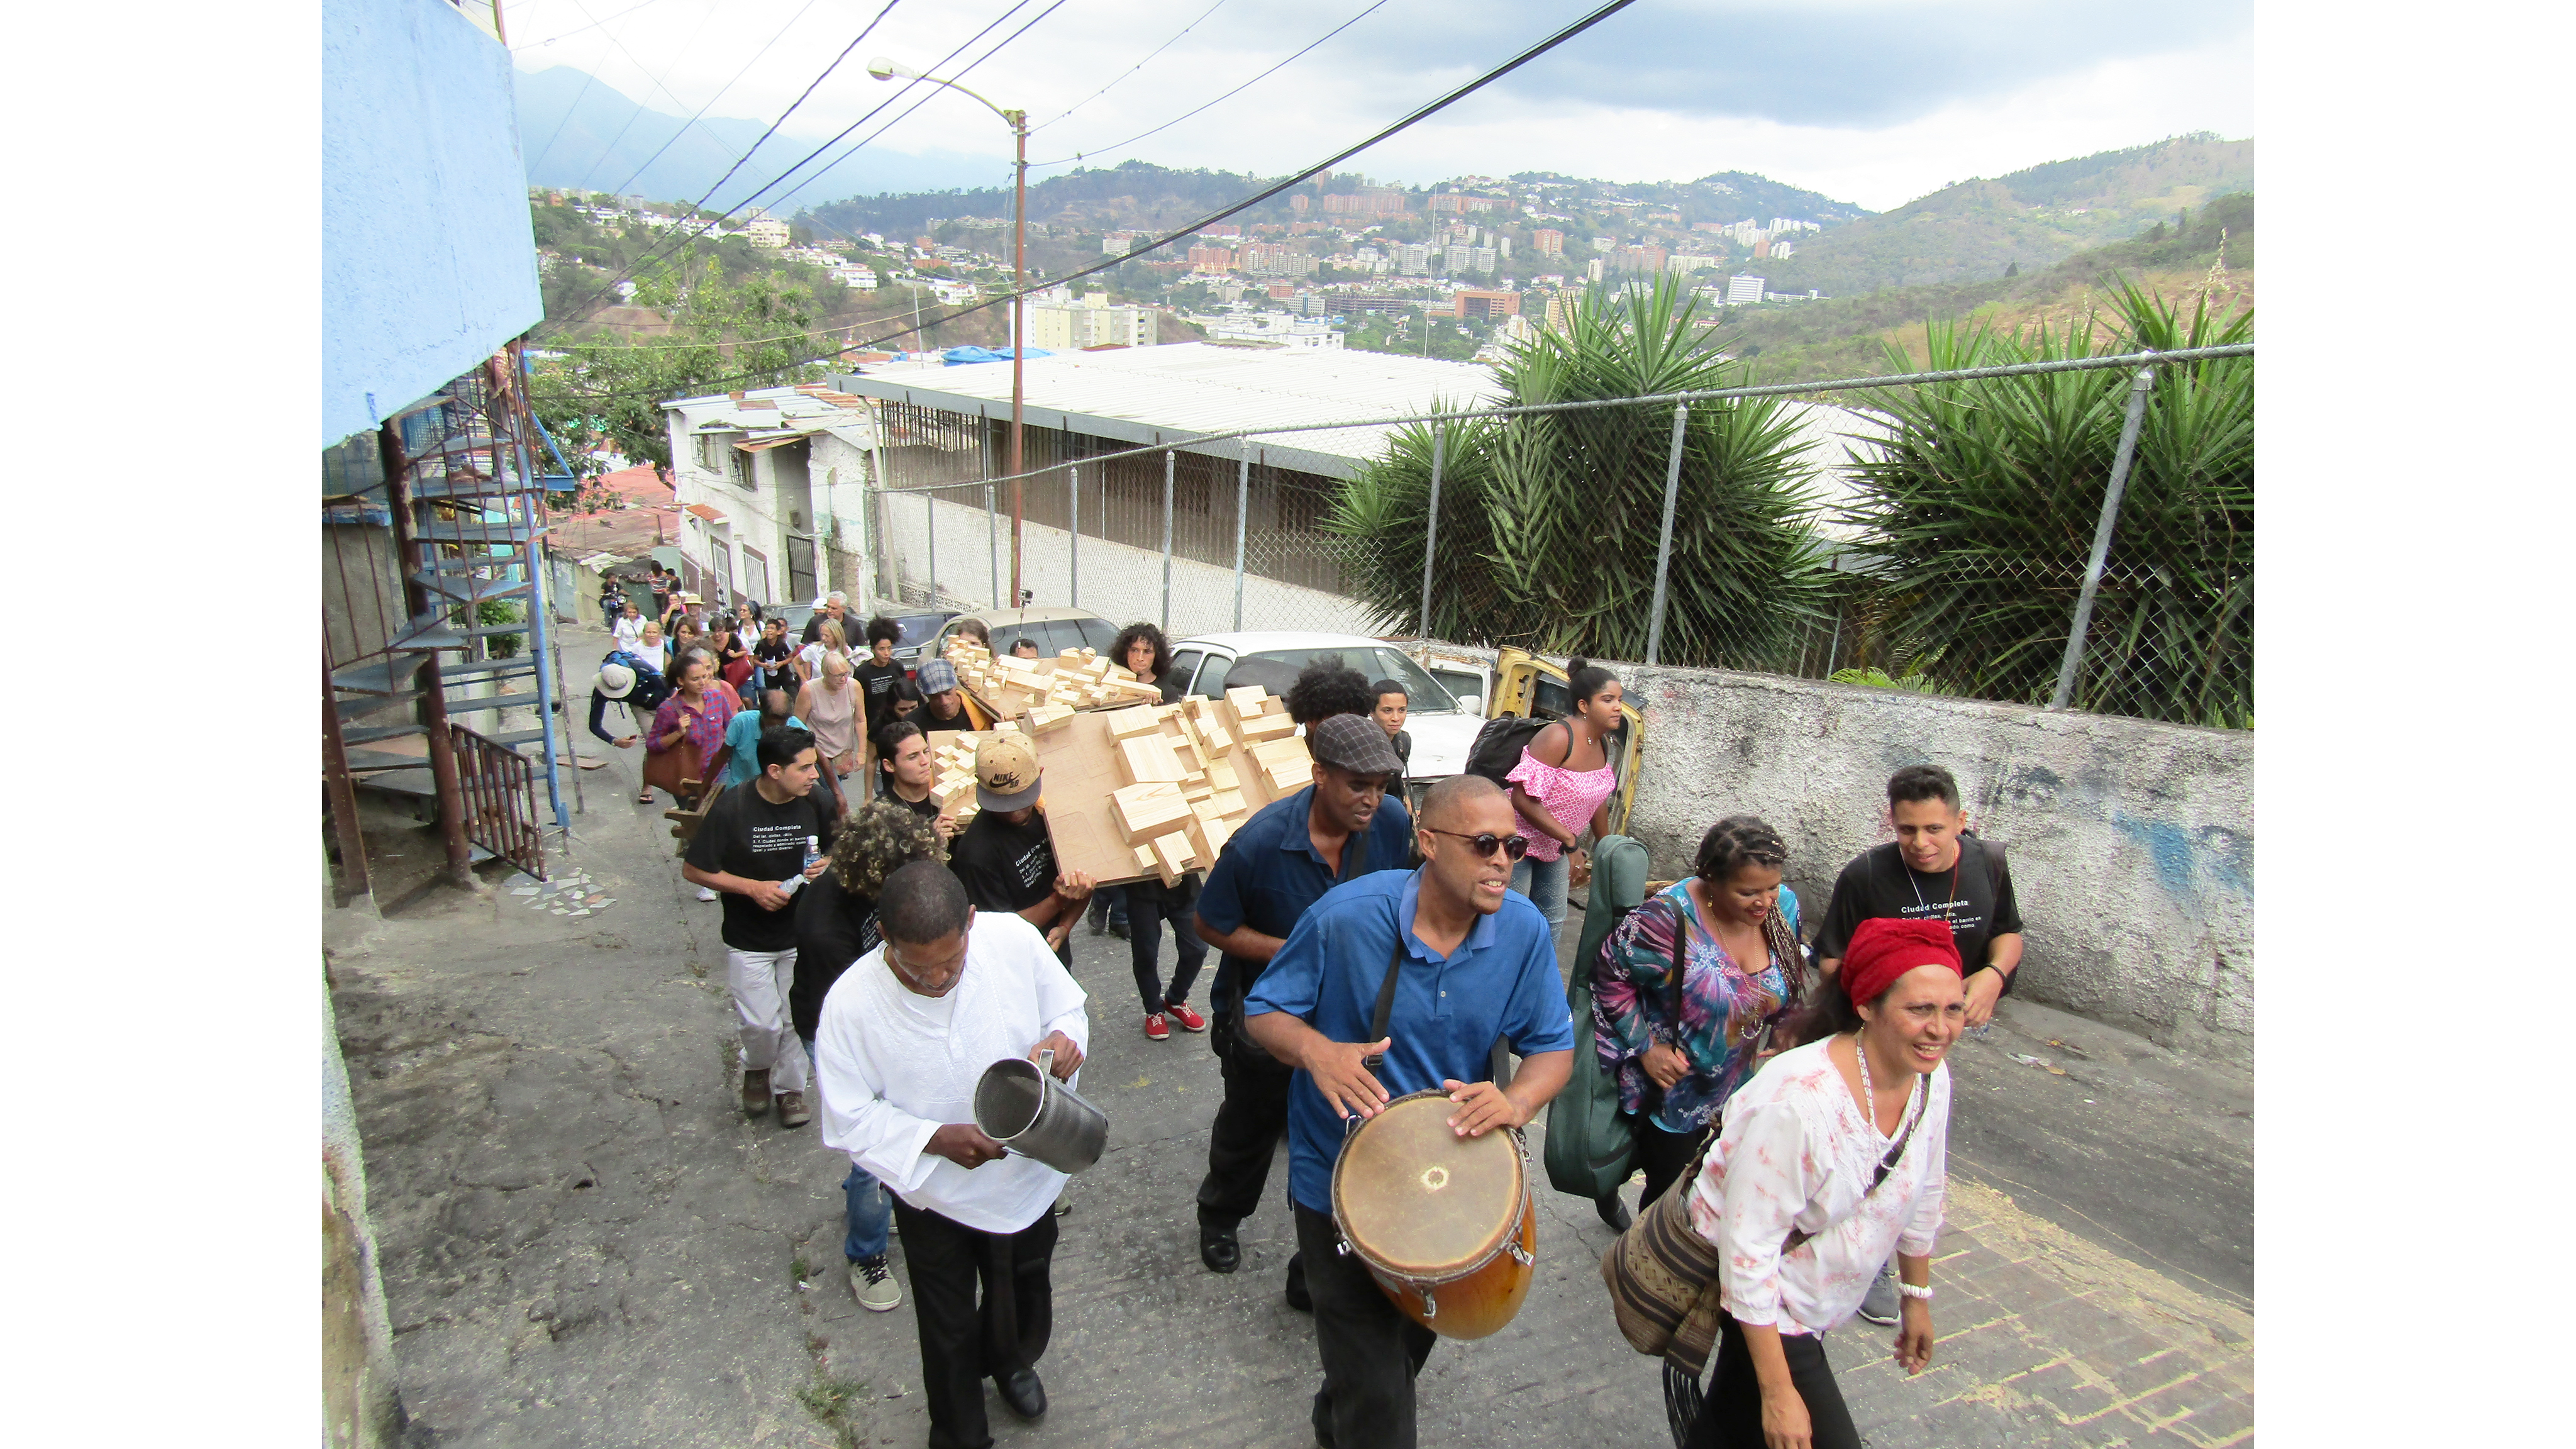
1276,327
768,232
770,483
1090,322
1742,288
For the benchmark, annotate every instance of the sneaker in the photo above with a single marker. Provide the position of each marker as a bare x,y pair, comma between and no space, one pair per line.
1879,1306
872,1282
1183,1017
706,893
755,1092
1118,927
791,1110
1157,1029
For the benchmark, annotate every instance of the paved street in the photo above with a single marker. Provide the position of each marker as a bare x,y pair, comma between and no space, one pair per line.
585,1243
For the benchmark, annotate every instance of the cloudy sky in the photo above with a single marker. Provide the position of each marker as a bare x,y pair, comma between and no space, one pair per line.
1869,101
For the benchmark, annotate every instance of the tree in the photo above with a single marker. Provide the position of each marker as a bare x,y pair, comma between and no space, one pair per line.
1978,518
1548,523
725,337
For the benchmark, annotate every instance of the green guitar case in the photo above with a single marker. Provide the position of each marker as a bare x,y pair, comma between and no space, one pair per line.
1588,1146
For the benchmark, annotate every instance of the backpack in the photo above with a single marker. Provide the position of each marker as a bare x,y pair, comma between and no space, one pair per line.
1498,746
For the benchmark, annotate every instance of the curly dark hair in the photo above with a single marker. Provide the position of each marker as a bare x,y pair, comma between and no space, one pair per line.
884,627
1327,687
879,838
1127,638
1735,842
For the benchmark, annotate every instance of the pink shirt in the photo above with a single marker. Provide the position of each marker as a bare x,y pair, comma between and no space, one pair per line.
1797,1153
1569,795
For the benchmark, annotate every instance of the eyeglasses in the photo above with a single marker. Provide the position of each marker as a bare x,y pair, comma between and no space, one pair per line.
1483,843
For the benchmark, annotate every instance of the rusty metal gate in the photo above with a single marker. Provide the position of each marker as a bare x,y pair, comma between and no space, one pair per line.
499,788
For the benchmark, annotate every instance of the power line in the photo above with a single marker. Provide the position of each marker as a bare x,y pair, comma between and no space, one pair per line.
1238,90
569,34
685,235
1411,118
638,113
711,100
1131,70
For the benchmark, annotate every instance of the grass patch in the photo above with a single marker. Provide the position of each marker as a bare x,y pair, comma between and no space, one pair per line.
830,1401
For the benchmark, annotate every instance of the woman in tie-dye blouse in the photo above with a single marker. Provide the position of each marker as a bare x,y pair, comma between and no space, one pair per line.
1686,986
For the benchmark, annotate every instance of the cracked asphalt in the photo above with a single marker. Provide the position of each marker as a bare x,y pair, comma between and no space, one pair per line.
584,1242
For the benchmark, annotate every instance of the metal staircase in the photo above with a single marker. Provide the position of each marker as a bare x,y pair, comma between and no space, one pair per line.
463,502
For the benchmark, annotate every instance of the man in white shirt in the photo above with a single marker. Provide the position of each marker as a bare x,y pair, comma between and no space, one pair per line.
906,1032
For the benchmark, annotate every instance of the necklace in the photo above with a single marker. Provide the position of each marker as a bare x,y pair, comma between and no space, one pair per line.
1868,1093
1926,906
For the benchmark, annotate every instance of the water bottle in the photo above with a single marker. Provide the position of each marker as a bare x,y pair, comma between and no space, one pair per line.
813,853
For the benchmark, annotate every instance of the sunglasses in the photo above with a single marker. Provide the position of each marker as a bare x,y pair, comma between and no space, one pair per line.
1484,842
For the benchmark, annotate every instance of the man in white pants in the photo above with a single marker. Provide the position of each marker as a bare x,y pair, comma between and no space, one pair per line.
751,849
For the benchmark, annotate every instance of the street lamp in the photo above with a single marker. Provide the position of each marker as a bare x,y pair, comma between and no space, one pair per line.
886,69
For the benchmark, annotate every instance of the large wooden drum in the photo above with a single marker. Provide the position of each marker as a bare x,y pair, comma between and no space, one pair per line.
1444,1222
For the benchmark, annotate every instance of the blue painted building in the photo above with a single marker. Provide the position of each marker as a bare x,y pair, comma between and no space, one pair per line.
428,262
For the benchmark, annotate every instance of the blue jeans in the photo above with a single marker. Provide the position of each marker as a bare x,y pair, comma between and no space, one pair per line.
870,1215
1543,881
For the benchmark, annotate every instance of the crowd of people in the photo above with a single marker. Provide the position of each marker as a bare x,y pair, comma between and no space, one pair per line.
880,956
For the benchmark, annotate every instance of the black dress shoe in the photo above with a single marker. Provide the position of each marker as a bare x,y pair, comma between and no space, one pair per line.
1613,1211
1218,1249
1298,1297
1023,1392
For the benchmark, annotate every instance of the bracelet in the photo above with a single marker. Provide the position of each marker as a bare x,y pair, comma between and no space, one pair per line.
1912,1290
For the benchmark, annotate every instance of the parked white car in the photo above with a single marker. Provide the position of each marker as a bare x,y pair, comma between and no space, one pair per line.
1443,725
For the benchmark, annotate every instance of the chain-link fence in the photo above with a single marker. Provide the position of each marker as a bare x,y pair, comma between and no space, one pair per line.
2074,532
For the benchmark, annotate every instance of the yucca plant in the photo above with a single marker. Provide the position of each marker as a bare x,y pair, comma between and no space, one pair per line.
1978,514
1548,522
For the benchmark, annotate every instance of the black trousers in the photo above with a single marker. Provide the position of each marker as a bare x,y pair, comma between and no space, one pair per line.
965,1341
1372,1353
1145,948
1730,1410
1249,1123
1663,1156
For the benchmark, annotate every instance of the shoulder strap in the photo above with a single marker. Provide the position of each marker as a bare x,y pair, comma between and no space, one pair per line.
1886,1164
1385,998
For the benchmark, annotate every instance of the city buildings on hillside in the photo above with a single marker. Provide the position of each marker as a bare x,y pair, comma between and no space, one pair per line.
1273,327
1548,240
1070,325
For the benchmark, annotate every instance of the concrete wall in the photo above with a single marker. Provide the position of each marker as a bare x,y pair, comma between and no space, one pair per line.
361,1405
428,261
2132,843
1117,581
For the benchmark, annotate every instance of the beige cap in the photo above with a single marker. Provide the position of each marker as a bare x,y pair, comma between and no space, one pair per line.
1006,773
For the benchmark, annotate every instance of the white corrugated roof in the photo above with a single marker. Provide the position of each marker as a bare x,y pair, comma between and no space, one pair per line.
1149,394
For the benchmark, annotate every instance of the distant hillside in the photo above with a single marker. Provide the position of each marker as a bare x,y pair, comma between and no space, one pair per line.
1133,194
1848,336
1722,197
578,133
2035,218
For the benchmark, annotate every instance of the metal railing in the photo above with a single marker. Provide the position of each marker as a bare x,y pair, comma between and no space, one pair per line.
499,787
1294,572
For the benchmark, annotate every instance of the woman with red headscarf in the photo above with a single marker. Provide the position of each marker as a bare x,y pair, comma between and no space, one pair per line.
1830,1157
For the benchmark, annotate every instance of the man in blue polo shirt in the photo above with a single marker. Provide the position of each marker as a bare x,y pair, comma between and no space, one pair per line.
1282,861
1477,964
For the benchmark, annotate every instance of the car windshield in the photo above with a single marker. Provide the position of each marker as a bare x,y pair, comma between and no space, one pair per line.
1274,668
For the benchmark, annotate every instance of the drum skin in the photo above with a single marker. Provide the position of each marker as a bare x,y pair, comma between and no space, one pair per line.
1444,1223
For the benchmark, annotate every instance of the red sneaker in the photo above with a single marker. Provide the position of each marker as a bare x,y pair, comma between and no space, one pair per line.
1156,1029
1189,1020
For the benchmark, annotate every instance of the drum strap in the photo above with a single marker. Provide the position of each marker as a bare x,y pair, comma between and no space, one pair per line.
1385,1001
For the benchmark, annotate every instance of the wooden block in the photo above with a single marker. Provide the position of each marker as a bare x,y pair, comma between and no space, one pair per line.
1215,737
1221,775
1145,860
1230,805
1072,655
1142,812
1172,856
1127,723
1267,727
1048,718
1194,793
1149,758
1208,835
1274,753
1248,699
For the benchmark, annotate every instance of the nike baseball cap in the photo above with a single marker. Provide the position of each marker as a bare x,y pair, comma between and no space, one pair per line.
1006,773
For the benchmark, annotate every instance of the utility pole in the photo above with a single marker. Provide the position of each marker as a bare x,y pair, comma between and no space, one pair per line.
1019,282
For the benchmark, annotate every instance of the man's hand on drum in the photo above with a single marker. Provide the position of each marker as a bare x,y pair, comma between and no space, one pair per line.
1338,1073
1482,1107
965,1144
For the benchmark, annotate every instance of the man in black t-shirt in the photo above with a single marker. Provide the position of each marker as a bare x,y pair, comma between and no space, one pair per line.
1935,869
836,608
752,849
1003,856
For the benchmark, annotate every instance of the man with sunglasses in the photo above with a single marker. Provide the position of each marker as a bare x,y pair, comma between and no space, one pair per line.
1472,963
1281,862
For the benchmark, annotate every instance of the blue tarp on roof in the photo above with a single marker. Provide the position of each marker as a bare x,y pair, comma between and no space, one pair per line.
961,356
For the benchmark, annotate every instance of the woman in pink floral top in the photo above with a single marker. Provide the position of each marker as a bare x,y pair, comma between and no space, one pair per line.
1563,785
697,711
1831,1156
1686,986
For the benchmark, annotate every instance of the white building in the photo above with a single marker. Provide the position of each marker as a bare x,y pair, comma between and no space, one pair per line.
1685,263
1276,327
1481,259
1742,288
770,483
767,232
1090,322
1413,259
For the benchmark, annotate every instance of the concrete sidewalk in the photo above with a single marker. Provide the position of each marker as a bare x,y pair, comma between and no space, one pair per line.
585,1243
